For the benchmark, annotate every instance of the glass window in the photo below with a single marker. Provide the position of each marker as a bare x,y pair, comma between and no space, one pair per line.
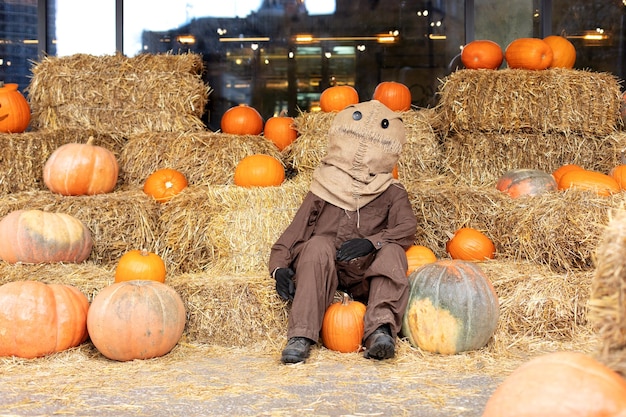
85,27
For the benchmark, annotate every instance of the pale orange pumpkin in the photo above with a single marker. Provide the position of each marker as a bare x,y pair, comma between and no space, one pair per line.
343,325
164,183
14,109
140,264
394,95
469,244
280,130
36,236
338,97
564,52
136,320
81,169
586,180
242,120
482,54
528,53
37,319
418,255
259,170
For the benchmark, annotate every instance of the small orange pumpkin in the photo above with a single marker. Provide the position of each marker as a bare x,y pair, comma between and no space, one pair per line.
469,244
280,130
164,183
619,174
140,264
564,169
338,97
394,95
242,120
482,54
418,255
528,53
81,169
14,109
343,325
564,52
394,171
259,170
526,182
602,184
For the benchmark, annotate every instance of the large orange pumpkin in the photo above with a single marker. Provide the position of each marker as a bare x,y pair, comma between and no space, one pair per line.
164,183
37,319
586,180
469,244
338,97
526,182
482,54
564,169
343,325
452,307
560,384
418,255
528,53
280,130
81,169
14,109
619,175
136,320
242,120
394,95
36,236
259,170
564,52
140,264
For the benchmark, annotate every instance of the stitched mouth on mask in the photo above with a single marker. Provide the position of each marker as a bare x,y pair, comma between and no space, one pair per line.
380,141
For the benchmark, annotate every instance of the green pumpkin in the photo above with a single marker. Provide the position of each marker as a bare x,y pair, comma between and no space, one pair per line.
452,307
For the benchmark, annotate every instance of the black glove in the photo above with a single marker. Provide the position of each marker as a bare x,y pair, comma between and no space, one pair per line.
285,286
354,248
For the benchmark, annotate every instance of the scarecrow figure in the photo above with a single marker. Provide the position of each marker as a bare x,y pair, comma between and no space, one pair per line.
350,233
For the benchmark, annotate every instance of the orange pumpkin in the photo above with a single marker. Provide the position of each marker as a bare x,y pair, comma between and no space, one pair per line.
394,95
469,244
35,236
136,320
394,172
528,53
280,130
482,54
526,182
564,169
140,264
81,169
343,325
14,109
418,255
242,120
564,52
602,184
37,319
338,97
619,174
559,384
165,183
259,170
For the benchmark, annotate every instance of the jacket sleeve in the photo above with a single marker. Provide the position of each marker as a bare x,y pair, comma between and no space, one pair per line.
402,223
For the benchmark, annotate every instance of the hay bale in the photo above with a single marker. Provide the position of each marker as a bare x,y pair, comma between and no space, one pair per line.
114,93
23,155
118,221
476,157
550,101
204,157
226,229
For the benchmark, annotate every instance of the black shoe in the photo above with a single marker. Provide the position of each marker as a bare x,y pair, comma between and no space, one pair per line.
297,350
380,345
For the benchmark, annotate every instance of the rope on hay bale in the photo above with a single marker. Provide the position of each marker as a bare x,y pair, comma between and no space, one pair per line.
554,100
114,93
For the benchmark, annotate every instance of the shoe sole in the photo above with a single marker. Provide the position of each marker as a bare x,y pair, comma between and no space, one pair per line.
381,351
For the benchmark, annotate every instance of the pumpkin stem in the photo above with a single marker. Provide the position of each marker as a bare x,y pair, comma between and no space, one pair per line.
144,252
90,140
1,84
345,298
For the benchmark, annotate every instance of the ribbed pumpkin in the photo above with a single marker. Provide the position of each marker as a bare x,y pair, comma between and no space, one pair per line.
469,244
528,53
563,51
526,182
563,169
343,326
338,97
259,170
136,320
560,384
394,95
602,184
164,183
242,120
37,319
14,109
140,264
452,307
36,236
81,169
418,255
280,131
619,175
482,54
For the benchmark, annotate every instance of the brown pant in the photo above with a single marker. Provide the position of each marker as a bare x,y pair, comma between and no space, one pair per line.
317,280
